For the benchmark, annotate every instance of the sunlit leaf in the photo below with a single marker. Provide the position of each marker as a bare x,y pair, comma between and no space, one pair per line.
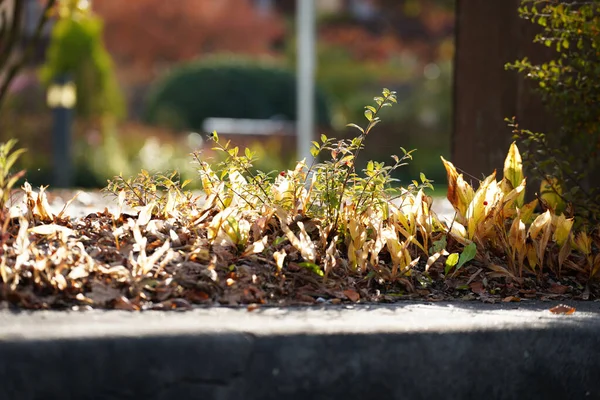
312,267
451,261
460,194
513,170
550,193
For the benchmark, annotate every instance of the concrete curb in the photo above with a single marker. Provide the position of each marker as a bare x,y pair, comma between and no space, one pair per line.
408,351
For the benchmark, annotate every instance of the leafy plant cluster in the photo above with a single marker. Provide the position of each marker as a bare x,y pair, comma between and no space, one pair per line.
567,159
319,231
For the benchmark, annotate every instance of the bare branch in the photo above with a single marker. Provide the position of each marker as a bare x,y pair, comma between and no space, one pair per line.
31,44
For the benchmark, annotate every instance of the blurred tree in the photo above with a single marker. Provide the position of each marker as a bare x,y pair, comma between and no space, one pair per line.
76,49
11,35
146,37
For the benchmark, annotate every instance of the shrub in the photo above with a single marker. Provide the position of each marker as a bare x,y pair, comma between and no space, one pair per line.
226,88
76,50
567,159
316,231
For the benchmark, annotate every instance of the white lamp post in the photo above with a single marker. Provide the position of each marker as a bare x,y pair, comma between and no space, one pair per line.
305,82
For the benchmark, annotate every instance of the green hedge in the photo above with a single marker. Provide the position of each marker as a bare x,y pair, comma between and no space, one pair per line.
226,88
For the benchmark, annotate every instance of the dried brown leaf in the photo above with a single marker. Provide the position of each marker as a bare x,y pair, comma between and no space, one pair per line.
477,287
123,303
558,289
352,295
562,309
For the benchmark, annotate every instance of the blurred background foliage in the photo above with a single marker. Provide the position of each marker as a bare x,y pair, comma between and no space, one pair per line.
124,56
76,50
226,87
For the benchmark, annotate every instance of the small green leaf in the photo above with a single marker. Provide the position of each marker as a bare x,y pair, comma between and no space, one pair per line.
12,158
278,240
323,138
312,267
451,261
468,253
357,127
438,245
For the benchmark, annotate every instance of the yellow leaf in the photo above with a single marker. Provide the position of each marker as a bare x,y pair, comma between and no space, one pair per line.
563,254
583,243
526,212
145,214
550,192
539,224
563,229
282,189
43,206
279,257
207,176
256,247
301,242
460,193
481,204
517,235
540,231
513,170
513,199
52,229
228,229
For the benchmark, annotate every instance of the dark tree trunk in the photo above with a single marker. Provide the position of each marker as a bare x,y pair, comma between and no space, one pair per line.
490,34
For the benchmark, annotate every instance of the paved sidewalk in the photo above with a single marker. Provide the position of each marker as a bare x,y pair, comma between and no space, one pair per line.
404,351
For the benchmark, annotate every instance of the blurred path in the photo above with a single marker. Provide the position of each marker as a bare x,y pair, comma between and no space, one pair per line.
88,202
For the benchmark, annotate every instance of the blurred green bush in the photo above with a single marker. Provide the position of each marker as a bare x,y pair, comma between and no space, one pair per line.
226,87
76,49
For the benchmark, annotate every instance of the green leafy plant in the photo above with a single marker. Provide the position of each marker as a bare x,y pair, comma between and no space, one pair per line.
322,190
8,158
270,238
566,159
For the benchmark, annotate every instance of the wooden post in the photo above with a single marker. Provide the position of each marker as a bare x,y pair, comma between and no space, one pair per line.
490,34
